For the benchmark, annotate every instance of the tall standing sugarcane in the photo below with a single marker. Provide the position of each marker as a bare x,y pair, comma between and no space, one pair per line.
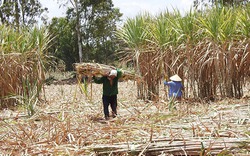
134,34
22,59
205,47
210,61
186,31
219,26
228,30
242,49
159,41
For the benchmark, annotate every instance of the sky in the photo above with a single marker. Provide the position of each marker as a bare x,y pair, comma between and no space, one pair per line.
129,8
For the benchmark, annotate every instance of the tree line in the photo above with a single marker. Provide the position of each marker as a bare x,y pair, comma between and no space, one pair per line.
86,33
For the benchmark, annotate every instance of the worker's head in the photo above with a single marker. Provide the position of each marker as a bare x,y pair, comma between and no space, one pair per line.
112,73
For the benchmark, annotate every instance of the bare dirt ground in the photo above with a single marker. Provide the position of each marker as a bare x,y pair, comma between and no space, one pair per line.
70,122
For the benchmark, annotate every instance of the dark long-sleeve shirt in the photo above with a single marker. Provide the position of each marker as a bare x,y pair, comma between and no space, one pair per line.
109,89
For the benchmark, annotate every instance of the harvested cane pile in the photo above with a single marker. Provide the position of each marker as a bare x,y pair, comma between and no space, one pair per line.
96,69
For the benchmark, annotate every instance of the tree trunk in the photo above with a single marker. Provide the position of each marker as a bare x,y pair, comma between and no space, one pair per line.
17,14
78,32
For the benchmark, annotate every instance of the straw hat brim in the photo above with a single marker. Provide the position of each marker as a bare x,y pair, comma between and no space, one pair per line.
175,78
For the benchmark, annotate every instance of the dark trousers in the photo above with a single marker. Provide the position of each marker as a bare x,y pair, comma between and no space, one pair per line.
112,100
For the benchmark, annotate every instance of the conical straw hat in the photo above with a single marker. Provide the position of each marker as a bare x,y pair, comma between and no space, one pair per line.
175,78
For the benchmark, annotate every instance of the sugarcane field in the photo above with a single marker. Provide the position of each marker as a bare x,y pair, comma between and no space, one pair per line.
69,121
163,85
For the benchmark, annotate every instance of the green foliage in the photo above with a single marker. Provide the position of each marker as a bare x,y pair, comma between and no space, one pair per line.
218,3
243,22
20,13
134,31
96,21
98,31
135,34
26,40
29,97
84,87
64,43
172,104
23,62
160,31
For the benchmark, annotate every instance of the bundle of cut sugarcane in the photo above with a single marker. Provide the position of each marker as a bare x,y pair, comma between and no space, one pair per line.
127,75
96,69
92,69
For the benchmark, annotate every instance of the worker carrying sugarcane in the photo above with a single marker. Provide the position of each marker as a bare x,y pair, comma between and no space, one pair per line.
110,91
175,87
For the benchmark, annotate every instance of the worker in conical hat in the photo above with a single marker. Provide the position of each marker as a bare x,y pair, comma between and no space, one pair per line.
175,87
